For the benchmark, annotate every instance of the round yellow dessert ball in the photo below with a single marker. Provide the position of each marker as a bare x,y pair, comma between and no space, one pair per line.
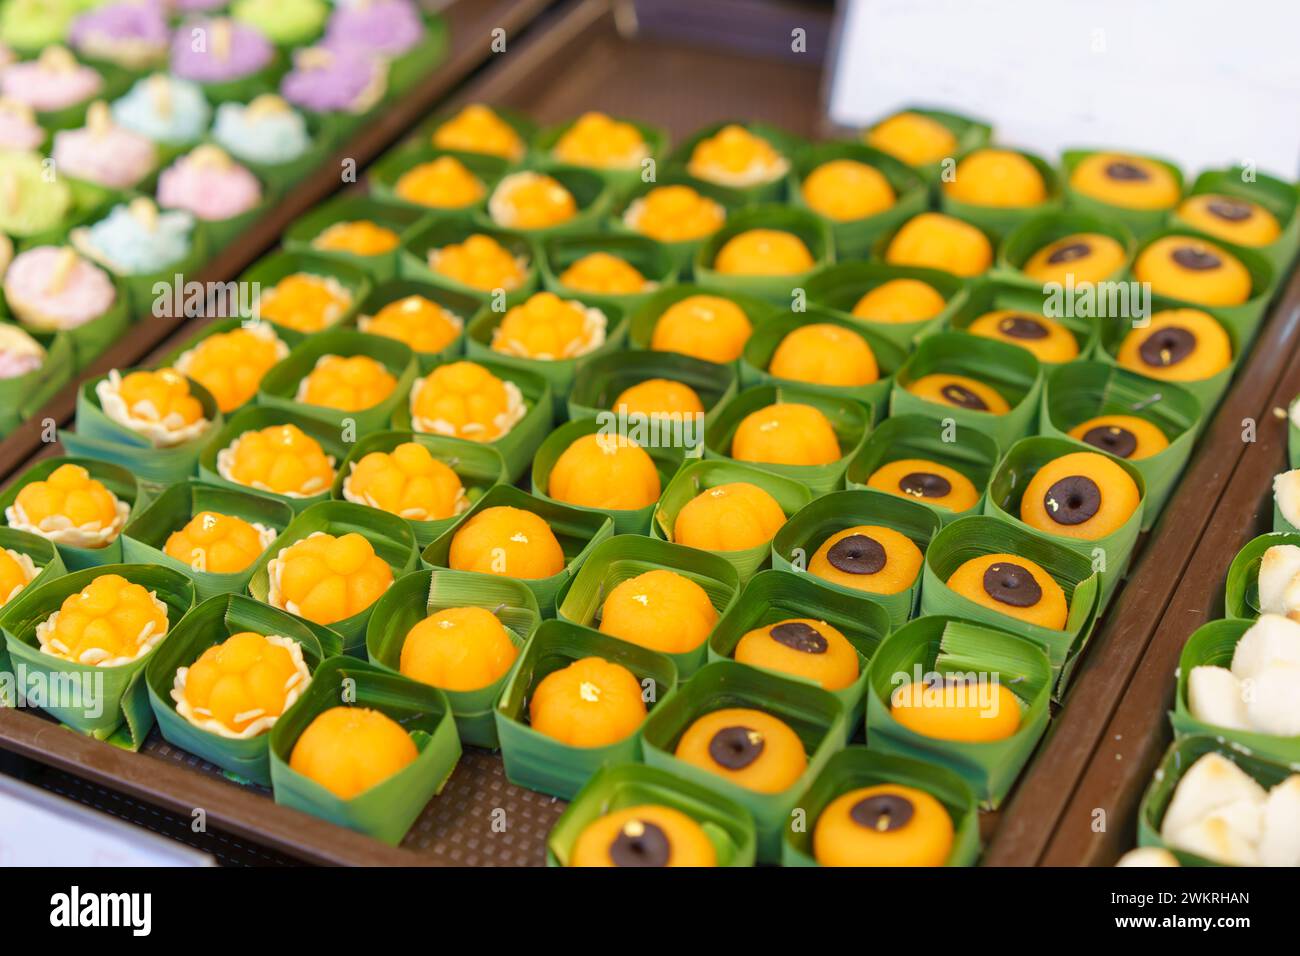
598,141
706,327
997,178
729,517
590,703
477,129
787,433
957,709
348,750
481,263
1231,219
408,482
763,252
884,825
659,609
602,273
959,391
674,213
845,190
747,747
605,471
1177,345
507,541
644,836
900,300
659,396
1130,182
1048,340
531,200
1083,495
420,323
931,482
1014,586
825,354
915,139
1184,267
458,649
869,558
1124,436
1081,257
932,240
802,647
442,183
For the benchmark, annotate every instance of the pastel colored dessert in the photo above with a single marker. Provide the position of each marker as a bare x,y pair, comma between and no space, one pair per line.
130,33
108,623
648,835
266,131
230,51
935,241
786,433
507,541
281,459
869,558
660,609
17,570
209,184
1278,580
30,25
1148,856
480,262
335,80
1124,436
601,142
103,153
735,157
549,328
136,238
242,686
305,302
230,365
763,252
51,288
285,22
745,747
155,405
327,578
1231,219
705,327
1195,270
1014,586
1177,345
1077,258
997,178
590,703
802,647
957,708
458,649
20,354
959,391
674,214
1046,339
359,238
930,482
659,396
603,273
608,472
477,129
350,750
165,109
531,200
915,139
408,482
825,354
1130,182
845,190
30,204
18,127
884,825
53,81
900,300
442,183
386,28
465,400
729,517
219,543
69,507
1256,692
1081,495
349,383
422,324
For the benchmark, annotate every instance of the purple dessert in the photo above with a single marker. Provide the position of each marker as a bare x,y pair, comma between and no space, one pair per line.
197,6
380,27
132,34
219,50
334,80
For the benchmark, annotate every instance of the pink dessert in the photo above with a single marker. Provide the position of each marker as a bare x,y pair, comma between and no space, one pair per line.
52,287
53,81
18,127
104,153
209,184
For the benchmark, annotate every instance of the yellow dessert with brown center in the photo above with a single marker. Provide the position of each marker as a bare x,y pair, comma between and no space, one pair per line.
735,157
327,578
157,405
643,836
530,200
763,252
507,541
846,189
659,609
787,433
802,647
954,707
360,238
997,178
825,354
479,262
348,750
746,747
884,825
590,703
549,328
280,458
915,139
477,129
604,274
218,543
1080,495
600,142
17,570
659,396
869,558
1014,586
1048,340
959,391
1184,267
421,324
706,327
1231,219
230,365
730,517
1124,436
1130,182
240,687
408,482
927,481
442,183
108,623
900,300
465,400
1077,258
305,302
932,240
69,507
1177,345
458,649
348,383
674,214
605,471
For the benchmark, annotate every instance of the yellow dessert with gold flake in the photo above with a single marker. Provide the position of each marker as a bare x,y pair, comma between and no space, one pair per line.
360,238
659,609
659,396
1081,257
644,836
997,178
325,578
349,383
598,141
549,328
69,507
218,543
763,252
108,623
408,482
674,214
705,327
915,139
465,400
605,471
507,541
1131,182
477,129
1177,345
17,570
932,240
900,300
442,183
590,703
1231,219
802,647
1048,340
604,274
735,157
240,687
480,262
787,433
959,391
421,324
305,302
230,365
1192,269
846,189
282,459
729,517
825,354
531,200
156,405
458,649
348,750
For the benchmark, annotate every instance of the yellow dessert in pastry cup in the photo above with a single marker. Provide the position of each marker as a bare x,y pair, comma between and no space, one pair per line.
17,570
442,183
603,273
531,200
465,400
477,129
240,687
349,383
360,238
157,405
674,213
108,623
480,262
900,300
600,142
932,240
408,482
418,322
219,543
327,578
304,302
549,328
735,157
282,459
230,365
69,507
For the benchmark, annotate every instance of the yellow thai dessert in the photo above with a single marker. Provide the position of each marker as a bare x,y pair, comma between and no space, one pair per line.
1124,436
884,825
1177,345
802,647
507,541
935,241
786,433
845,190
1014,586
900,300
1131,182
869,558
282,459
327,578
674,214
549,328
659,396
605,471
954,707
748,748
359,238
1046,339
1081,257
240,687
349,383
598,141
408,482
733,156
763,252
108,623
959,391
591,703
458,649
69,507
158,406
1184,267
442,183
348,750
218,543
705,327
928,481
531,200
998,178
1082,495
1231,219
915,139
480,262
421,324
476,129
644,836
659,609
17,570
604,274
230,365
730,517
304,302
465,400
825,354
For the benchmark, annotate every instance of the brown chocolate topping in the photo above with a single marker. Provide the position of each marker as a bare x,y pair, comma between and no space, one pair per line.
735,748
1167,346
1072,500
1126,172
857,554
1012,584
963,397
640,843
1070,253
1120,442
1196,258
1022,327
882,812
799,636
925,484
1230,210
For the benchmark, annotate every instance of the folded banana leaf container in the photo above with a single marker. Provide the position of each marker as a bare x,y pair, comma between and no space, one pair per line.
305,235
643,319
419,254
1277,196
808,228
591,194
1037,233
602,381
787,145
1141,222
624,211
462,307
1241,594
265,274
840,287
986,295
653,260
999,221
46,565
968,132
23,396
